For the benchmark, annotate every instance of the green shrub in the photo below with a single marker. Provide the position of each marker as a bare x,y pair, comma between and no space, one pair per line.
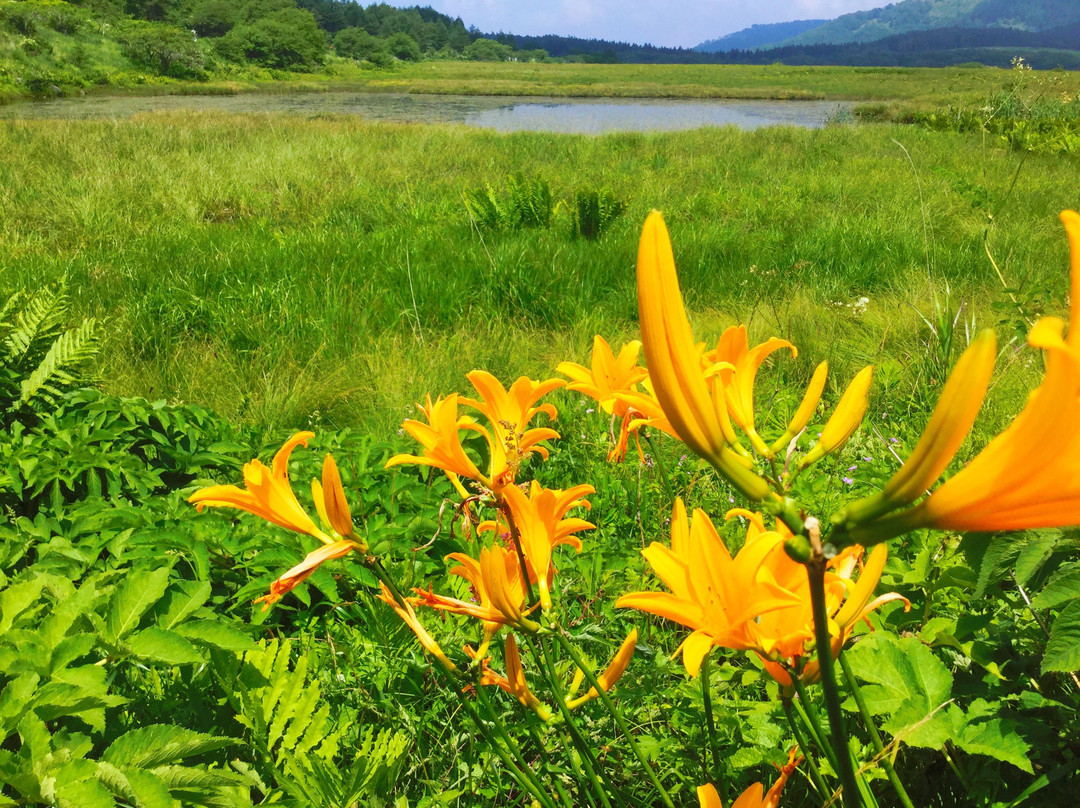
289,39
214,18
167,50
488,50
356,43
404,47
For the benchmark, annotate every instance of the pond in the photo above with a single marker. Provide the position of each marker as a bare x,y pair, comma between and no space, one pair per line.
502,113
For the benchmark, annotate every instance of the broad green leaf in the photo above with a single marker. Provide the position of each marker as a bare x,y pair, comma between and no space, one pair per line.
15,700
1063,586
1063,647
149,790
16,599
69,650
899,672
140,590
183,598
216,634
191,778
163,645
160,744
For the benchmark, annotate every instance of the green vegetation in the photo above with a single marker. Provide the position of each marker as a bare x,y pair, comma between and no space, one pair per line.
225,280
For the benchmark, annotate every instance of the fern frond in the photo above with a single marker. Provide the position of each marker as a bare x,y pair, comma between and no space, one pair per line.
56,371
37,324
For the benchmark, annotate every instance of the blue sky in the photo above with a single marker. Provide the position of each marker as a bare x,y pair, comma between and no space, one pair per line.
658,22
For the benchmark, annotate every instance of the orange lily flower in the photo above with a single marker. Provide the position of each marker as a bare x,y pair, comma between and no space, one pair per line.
1028,476
696,409
500,592
266,493
785,636
509,413
734,349
298,574
609,677
752,797
330,500
806,409
607,377
950,422
406,613
540,527
441,442
719,597
514,682
845,418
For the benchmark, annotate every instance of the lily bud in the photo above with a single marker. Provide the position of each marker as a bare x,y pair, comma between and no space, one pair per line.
845,418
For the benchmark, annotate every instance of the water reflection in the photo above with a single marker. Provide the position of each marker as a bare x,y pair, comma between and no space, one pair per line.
504,114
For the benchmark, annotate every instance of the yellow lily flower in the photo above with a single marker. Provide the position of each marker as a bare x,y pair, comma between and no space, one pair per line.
335,507
695,408
845,418
1028,476
753,797
406,613
266,493
611,674
298,574
607,374
721,598
607,377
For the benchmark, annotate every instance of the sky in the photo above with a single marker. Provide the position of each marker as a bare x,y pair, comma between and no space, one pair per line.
671,23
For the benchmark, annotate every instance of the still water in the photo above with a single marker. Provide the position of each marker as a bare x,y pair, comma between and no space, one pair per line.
502,113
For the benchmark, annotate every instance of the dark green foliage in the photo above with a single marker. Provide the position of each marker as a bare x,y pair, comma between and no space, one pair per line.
594,211
527,203
214,18
356,43
288,39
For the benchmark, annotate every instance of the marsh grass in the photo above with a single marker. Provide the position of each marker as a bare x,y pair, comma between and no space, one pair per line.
288,272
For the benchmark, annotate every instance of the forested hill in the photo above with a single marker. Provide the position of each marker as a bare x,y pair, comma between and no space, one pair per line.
923,15
759,36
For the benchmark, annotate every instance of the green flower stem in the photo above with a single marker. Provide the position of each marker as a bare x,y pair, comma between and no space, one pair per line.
815,570
375,565
515,534
813,723
539,652
875,736
719,774
522,780
616,713
512,745
548,763
660,465
807,752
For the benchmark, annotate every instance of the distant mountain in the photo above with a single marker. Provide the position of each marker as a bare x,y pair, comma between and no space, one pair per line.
1045,50
923,15
759,36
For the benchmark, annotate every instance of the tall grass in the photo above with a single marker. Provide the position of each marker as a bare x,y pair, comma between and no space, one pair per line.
288,271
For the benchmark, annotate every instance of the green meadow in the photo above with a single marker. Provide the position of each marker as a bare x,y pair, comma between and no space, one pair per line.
283,271
184,291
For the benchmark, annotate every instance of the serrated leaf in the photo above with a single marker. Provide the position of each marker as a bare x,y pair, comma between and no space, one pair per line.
15,700
191,778
216,634
1034,555
997,739
899,672
162,645
149,789
69,650
1001,554
1063,586
160,744
139,591
1063,647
